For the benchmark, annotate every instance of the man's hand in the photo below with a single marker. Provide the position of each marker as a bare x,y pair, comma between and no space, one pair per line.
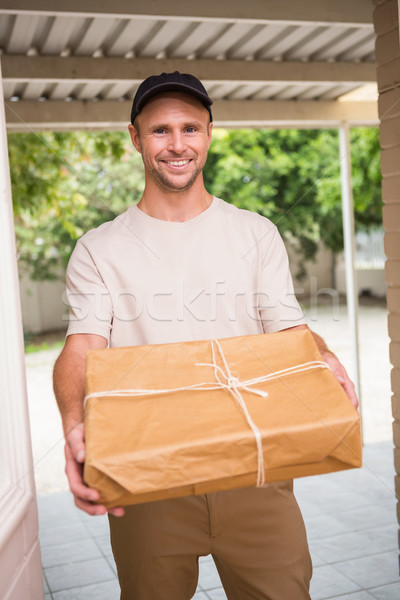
69,389
85,497
341,375
335,365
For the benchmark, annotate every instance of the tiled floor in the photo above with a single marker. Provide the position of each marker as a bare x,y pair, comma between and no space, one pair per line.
350,519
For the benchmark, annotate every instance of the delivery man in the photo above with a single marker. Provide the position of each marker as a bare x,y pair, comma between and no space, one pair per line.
183,265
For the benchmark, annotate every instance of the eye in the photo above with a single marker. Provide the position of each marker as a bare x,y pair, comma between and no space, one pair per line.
190,129
159,130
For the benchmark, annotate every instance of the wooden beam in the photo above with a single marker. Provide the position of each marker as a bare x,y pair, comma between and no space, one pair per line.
57,115
354,12
84,69
294,114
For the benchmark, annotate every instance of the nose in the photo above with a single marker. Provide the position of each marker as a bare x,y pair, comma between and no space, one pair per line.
177,142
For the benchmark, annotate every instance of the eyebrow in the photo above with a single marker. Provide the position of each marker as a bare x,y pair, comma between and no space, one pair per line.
194,123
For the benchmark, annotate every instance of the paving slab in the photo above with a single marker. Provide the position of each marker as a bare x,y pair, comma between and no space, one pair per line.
108,590
76,575
70,552
355,596
59,534
375,570
356,544
387,592
217,594
328,581
208,576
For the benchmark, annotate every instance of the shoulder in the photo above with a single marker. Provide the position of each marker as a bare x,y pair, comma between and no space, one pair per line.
97,244
253,231
245,219
103,235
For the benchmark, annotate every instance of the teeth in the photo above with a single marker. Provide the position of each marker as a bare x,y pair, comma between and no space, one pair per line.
177,163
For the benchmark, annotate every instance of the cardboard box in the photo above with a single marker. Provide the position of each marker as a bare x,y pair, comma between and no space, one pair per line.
143,445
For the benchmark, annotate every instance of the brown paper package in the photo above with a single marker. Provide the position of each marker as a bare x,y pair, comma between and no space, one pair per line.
149,447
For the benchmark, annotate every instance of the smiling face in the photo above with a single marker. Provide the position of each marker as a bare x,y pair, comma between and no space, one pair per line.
173,134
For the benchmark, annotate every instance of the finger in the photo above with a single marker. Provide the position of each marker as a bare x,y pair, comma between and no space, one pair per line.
338,373
90,508
74,473
80,490
342,377
98,509
349,388
117,511
85,497
351,392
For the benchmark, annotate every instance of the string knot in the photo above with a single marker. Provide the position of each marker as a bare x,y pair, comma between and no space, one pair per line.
233,382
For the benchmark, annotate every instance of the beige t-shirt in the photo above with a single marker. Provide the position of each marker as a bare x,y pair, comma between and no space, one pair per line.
140,280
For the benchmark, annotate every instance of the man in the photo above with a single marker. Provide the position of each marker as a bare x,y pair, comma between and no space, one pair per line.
183,265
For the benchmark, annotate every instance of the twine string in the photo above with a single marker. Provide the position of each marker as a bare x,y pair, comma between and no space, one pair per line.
233,386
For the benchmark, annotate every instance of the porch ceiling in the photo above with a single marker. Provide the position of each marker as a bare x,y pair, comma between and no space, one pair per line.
79,65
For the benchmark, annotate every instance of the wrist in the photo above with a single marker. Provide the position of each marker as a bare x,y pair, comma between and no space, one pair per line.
72,424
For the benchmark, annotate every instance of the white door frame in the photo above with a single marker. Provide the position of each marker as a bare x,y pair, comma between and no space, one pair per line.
20,562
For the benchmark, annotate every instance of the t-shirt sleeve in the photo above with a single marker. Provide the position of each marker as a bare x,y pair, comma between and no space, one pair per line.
90,304
278,305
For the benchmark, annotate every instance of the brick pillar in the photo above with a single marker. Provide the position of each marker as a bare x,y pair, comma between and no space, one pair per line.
386,22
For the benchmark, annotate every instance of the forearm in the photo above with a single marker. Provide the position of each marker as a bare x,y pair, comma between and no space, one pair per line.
69,387
69,377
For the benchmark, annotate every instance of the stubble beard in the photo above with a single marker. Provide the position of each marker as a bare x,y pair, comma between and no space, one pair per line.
166,183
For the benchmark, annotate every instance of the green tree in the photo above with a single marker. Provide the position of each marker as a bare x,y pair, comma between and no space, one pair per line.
293,178
64,184
366,182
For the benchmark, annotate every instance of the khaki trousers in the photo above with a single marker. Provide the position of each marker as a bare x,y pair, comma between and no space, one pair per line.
255,535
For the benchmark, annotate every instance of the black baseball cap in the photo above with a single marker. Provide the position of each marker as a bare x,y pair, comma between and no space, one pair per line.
169,82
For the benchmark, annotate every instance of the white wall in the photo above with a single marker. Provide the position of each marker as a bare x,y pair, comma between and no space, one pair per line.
319,276
318,272
368,280
42,305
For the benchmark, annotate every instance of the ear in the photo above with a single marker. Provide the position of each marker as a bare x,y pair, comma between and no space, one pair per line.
210,127
134,133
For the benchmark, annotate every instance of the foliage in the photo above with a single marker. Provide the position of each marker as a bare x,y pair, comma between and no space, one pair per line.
64,184
37,342
293,178
67,183
31,348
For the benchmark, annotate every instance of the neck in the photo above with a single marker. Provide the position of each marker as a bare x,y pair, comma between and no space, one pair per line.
175,206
